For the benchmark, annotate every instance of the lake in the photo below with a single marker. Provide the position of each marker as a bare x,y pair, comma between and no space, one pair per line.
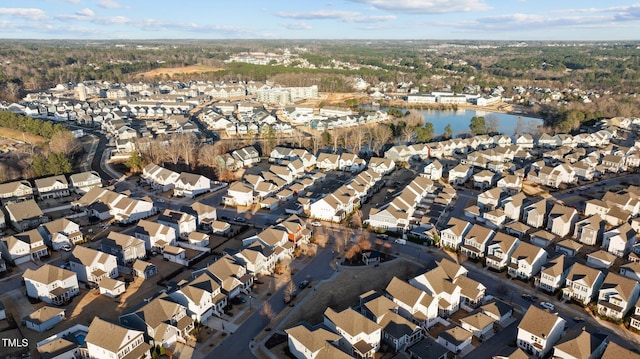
460,119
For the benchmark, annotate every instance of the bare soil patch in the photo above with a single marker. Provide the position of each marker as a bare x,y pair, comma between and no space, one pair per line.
345,290
180,70
21,136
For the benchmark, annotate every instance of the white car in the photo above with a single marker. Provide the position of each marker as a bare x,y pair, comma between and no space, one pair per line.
316,224
547,305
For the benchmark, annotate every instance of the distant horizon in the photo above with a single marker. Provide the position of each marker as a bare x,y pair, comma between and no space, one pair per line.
318,39
445,20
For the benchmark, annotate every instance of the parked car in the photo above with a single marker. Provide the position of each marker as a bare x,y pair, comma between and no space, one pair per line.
547,305
316,224
528,298
240,219
66,248
303,284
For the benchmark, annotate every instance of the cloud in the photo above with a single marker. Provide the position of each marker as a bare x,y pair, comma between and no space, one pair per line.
85,12
73,1
318,14
26,13
427,6
344,16
108,4
301,25
515,22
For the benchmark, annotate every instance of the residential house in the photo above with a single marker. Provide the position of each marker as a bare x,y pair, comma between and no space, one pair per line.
91,266
15,192
182,223
44,318
413,303
397,332
125,248
25,215
600,259
202,297
159,177
554,273
111,287
51,284
61,232
52,187
488,200
562,219
453,235
484,179
84,181
539,331
23,247
433,170
635,317
121,343
631,270
144,270
478,323
455,338
164,322
310,344
500,250
205,214
498,310
582,283
589,231
617,296
198,239
361,337
512,205
190,185
230,274
104,204
239,194
535,213
569,247
619,241
526,261
476,241
511,184
428,348
328,161
460,174
542,238
580,344
246,157
155,235
615,351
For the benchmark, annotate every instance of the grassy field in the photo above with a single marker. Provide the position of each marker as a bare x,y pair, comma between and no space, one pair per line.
180,70
21,136
344,291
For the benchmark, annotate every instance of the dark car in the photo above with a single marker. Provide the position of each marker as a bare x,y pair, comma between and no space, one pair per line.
238,300
240,219
303,284
224,218
529,298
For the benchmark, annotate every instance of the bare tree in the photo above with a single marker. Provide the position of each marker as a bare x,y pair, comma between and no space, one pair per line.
493,123
289,290
408,133
64,142
173,150
380,135
267,312
188,144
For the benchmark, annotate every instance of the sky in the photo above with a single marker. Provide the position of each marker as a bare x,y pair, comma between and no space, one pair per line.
526,20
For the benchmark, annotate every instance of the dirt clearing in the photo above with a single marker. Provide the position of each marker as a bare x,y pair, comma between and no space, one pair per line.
180,70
